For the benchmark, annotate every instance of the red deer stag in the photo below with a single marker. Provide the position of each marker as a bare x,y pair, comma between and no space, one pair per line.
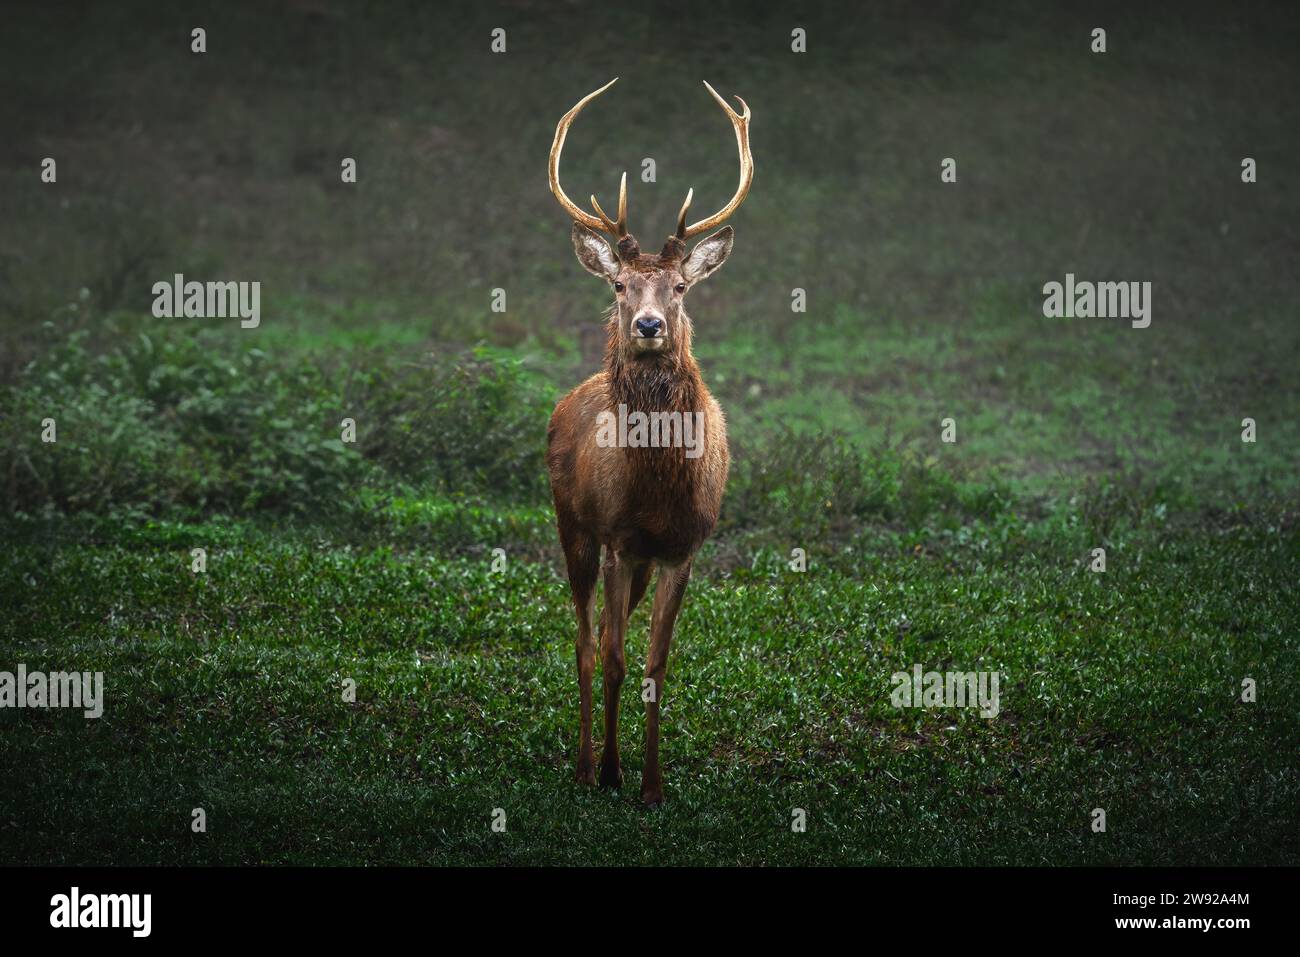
647,502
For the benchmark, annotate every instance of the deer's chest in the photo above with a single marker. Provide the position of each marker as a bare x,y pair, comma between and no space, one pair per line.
659,493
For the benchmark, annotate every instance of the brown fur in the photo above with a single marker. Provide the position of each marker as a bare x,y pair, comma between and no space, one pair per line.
644,507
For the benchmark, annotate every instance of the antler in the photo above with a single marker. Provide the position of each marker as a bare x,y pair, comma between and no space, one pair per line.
740,121
618,227
601,221
610,226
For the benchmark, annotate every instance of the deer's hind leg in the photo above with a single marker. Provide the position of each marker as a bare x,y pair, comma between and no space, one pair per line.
625,579
582,558
640,582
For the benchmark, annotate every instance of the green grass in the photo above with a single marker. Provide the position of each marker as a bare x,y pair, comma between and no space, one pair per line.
1038,402
224,691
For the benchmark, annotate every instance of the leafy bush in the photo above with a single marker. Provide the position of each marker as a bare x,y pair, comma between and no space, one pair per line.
192,423
184,422
824,485
474,424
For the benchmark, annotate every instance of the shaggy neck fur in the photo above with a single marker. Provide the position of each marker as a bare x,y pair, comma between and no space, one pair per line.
656,382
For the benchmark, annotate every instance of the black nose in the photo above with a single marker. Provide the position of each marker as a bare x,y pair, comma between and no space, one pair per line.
650,328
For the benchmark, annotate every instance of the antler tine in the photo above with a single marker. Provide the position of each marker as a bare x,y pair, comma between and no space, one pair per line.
622,205
611,226
681,217
740,122
557,146
606,224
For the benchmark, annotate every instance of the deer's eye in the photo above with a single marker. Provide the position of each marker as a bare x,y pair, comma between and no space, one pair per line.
618,286
681,287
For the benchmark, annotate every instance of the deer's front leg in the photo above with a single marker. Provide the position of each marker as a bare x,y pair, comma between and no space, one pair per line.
619,573
583,559
668,601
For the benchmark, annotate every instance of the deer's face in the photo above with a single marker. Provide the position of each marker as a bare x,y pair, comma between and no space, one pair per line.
648,299
649,290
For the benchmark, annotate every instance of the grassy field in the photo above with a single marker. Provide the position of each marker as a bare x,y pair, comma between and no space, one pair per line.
225,693
375,562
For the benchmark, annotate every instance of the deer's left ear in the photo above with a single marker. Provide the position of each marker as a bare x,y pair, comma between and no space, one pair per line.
708,254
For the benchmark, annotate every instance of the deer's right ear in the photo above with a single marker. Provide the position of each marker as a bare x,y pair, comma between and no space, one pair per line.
594,253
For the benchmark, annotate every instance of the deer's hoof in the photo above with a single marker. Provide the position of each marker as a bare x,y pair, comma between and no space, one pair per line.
652,799
586,769
611,776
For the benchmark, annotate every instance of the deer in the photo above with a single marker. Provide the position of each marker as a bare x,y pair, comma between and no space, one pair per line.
644,506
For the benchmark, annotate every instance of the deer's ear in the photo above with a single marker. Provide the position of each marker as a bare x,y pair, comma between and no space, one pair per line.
594,253
708,254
